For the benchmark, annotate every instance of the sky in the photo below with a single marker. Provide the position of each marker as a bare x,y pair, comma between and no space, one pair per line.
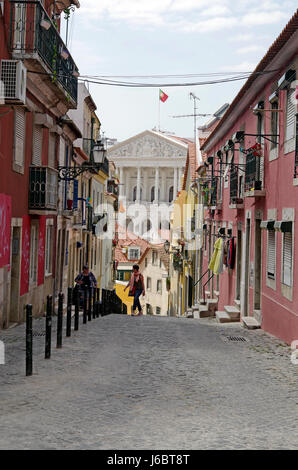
169,37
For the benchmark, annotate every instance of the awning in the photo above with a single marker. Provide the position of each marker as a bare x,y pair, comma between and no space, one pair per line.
267,224
283,226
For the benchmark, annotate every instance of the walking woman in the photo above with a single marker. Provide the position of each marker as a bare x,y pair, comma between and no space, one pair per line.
136,288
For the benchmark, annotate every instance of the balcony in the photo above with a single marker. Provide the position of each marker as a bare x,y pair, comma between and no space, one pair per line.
112,188
253,183
34,38
43,190
236,202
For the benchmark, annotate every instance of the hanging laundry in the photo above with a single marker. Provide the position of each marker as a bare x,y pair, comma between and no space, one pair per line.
216,262
231,254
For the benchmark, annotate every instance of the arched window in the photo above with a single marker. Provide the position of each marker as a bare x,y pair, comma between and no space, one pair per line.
134,194
171,193
152,193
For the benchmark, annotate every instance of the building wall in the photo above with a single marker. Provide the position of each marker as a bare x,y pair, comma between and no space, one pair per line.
279,314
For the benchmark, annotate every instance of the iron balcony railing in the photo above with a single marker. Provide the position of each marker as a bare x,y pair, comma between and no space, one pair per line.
253,173
34,35
112,188
213,193
233,185
43,188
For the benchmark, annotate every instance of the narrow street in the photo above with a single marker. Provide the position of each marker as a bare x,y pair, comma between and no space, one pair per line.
150,383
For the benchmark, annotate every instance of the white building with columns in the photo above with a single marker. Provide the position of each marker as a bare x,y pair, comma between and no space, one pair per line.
151,167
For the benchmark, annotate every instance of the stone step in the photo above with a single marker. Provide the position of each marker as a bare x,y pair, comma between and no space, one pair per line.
189,313
203,312
237,303
232,311
224,317
207,293
212,305
251,323
216,293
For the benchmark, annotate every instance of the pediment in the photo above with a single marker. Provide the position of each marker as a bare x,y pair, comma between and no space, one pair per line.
148,144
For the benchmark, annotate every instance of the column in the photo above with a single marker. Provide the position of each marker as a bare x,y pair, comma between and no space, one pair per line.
139,185
145,185
175,183
180,179
164,195
156,198
121,191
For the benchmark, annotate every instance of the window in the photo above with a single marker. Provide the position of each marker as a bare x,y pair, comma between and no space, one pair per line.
287,259
134,197
120,276
133,253
49,248
159,286
171,194
19,136
290,115
148,283
146,262
148,309
274,124
158,311
154,257
152,193
33,251
37,145
271,262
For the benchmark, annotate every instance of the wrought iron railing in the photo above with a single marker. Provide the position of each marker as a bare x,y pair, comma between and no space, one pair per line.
111,303
213,192
233,185
112,187
252,173
43,188
34,35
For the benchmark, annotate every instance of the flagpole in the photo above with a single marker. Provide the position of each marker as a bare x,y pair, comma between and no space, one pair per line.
159,110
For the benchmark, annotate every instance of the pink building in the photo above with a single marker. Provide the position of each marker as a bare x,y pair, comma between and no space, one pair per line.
252,194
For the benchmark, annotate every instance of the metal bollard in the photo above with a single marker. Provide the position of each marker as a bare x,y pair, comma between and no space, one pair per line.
90,304
68,314
60,321
29,341
77,309
97,303
85,306
48,327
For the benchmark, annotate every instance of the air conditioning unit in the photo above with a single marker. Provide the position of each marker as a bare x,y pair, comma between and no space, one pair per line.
13,78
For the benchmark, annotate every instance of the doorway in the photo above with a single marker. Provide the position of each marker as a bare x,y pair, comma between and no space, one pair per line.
238,263
15,275
247,268
258,265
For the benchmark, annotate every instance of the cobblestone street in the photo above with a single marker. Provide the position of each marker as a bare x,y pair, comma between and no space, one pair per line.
150,383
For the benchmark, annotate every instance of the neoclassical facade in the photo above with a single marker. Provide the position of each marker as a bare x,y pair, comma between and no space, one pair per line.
151,166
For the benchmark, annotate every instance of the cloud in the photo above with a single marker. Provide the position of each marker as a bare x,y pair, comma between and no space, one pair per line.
247,49
240,67
199,16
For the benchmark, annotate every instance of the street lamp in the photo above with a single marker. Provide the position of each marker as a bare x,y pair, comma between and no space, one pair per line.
98,153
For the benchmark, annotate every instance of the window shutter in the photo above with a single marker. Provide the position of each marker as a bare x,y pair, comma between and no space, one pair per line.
19,136
291,111
37,145
287,259
52,150
271,254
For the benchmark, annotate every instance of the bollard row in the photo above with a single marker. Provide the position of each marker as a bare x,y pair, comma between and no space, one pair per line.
88,298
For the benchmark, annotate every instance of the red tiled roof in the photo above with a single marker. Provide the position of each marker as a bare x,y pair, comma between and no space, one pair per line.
278,44
126,239
191,163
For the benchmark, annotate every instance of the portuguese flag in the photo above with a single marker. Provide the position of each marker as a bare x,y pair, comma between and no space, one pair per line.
162,96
